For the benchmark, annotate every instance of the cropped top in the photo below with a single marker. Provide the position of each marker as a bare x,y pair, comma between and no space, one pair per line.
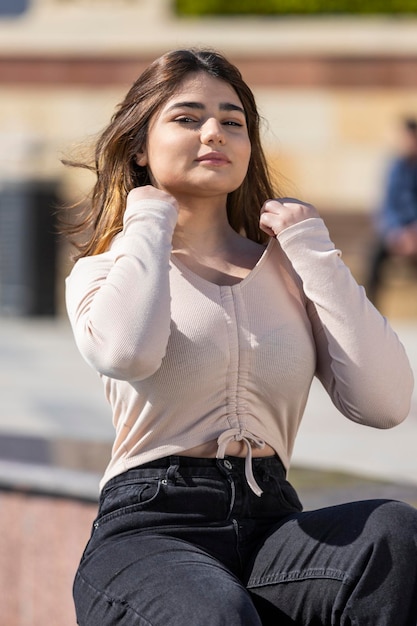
185,361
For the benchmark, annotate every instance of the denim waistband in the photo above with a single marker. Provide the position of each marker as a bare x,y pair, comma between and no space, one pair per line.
193,466
191,461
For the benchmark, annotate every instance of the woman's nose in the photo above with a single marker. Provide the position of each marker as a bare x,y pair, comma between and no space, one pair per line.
212,132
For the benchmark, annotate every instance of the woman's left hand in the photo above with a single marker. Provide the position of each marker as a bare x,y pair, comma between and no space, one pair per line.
277,215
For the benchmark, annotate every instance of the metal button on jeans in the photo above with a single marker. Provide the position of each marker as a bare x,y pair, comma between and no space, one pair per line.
227,464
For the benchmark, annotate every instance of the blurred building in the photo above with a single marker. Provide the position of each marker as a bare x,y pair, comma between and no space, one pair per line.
329,88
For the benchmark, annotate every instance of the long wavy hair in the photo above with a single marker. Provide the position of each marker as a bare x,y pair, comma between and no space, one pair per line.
115,166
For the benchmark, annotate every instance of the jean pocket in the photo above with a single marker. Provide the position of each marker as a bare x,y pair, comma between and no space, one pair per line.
127,498
282,492
290,496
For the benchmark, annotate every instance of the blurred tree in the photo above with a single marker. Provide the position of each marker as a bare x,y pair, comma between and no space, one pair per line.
288,7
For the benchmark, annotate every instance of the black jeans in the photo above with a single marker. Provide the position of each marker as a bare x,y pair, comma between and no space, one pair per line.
185,542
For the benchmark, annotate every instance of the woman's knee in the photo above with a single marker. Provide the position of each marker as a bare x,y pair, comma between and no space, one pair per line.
395,522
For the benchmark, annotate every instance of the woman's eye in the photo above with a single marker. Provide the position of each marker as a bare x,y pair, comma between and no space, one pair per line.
232,123
185,120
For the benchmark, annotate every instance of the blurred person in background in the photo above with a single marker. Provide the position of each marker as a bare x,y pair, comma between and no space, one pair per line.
396,221
207,306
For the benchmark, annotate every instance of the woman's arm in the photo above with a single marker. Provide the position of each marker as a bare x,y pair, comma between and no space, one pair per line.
360,360
119,302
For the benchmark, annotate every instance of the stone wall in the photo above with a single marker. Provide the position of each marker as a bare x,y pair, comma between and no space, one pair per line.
331,90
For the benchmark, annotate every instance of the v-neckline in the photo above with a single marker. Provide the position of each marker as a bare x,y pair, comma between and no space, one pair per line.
187,271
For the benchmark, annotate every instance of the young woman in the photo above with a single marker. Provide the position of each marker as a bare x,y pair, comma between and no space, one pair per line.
207,307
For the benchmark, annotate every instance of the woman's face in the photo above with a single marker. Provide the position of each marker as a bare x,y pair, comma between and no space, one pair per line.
198,143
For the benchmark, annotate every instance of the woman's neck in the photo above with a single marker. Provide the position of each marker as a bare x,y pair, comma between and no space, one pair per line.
204,231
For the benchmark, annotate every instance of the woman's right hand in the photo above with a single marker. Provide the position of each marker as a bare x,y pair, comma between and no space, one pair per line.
148,192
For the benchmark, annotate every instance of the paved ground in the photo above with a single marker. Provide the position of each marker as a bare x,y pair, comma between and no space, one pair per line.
53,414
55,437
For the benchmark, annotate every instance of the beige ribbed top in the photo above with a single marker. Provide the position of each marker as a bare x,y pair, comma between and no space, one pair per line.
185,361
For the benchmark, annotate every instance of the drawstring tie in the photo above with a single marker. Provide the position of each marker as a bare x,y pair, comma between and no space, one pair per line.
237,434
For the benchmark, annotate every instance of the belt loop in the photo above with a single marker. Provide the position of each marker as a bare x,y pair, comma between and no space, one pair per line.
171,473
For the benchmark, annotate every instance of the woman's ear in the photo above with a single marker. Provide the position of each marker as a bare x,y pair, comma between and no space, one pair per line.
141,158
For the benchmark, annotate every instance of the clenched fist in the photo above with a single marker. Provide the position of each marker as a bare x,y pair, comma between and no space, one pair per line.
148,192
277,215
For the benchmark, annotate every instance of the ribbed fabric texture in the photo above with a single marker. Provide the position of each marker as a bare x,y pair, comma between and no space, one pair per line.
183,361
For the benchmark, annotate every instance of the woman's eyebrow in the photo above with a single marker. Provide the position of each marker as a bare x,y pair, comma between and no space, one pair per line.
223,106
228,106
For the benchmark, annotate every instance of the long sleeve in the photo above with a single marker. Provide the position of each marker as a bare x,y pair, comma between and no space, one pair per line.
118,302
360,360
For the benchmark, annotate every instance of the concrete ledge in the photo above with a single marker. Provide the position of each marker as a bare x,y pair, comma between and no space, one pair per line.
316,488
56,27
49,480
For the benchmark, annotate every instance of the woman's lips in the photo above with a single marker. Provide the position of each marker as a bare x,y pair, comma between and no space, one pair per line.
214,157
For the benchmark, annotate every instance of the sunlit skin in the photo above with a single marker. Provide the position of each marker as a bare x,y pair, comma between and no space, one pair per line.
198,146
197,152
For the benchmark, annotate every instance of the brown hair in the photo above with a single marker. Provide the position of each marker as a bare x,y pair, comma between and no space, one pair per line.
117,171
